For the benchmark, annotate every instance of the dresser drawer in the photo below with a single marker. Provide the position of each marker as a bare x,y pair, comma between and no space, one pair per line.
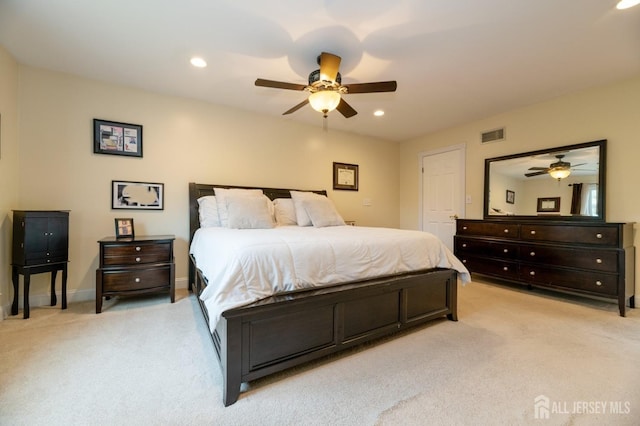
597,235
594,259
497,268
592,282
132,254
499,249
501,230
135,279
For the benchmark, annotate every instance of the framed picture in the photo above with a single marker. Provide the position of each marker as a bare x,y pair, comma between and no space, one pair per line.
549,204
511,197
110,137
124,228
137,195
345,176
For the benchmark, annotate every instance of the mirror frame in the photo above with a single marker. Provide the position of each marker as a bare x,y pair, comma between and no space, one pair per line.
601,144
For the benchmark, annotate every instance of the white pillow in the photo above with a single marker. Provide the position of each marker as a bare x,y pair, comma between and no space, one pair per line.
249,212
222,193
322,212
302,217
208,211
285,211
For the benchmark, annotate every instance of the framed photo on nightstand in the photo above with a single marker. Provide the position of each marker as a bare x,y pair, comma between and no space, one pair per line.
124,228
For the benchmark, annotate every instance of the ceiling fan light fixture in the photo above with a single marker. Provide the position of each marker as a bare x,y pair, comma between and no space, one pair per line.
559,173
324,101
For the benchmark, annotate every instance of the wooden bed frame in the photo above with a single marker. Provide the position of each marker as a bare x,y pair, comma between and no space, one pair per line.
288,329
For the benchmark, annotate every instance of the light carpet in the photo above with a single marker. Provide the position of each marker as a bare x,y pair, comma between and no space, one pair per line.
145,361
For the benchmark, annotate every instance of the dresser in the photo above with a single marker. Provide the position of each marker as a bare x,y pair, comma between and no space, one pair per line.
132,266
40,245
590,259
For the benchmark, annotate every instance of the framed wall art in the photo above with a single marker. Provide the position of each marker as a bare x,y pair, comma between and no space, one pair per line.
137,195
111,137
549,204
511,197
124,228
345,176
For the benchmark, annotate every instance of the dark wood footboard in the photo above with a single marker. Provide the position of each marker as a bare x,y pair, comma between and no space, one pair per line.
282,331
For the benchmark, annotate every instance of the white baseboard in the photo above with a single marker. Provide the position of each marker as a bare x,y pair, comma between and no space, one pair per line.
74,296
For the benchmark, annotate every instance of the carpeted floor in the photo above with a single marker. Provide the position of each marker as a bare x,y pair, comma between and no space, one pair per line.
144,361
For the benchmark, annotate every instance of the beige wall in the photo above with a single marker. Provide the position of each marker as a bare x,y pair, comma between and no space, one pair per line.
184,141
611,112
8,168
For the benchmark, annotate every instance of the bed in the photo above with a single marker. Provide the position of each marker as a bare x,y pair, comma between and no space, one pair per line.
265,333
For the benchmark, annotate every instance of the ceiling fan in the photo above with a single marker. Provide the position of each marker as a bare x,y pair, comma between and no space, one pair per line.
326,89
558,170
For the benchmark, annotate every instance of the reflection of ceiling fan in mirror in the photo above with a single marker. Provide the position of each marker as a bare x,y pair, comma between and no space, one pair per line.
558,170
326,90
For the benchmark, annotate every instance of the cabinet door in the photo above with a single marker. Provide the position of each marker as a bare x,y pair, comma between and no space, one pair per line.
58,238
36,238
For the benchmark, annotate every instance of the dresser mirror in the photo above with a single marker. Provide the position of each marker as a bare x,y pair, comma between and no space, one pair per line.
562,183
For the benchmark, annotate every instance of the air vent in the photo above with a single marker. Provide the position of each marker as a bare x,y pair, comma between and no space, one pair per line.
493,135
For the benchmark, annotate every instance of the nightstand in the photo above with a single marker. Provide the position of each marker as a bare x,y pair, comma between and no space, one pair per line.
131,266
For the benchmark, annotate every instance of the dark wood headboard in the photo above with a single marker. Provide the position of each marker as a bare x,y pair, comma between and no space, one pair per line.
197,190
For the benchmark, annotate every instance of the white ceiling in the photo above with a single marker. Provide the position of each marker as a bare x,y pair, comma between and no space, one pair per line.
454,60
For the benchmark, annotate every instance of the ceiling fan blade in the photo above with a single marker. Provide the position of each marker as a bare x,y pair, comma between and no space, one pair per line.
329,65
346,109
577,165
297,107
380,86
536,173
538,168
279,84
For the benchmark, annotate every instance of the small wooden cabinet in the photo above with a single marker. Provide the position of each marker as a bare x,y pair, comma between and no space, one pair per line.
143,264
592,259
40,244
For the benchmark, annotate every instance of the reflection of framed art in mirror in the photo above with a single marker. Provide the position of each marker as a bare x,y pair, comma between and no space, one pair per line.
548,205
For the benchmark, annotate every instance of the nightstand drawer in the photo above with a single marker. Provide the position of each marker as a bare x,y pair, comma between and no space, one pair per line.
132,254
132,279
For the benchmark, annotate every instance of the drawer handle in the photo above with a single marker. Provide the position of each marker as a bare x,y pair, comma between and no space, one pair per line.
505,251
533,232
598,260
598,283
137,259
137,280
464,260
599,236
138,248
505,268
464,245
533,253
506,231
464,227
532,273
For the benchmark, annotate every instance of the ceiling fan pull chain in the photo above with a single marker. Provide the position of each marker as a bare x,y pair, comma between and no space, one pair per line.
325,123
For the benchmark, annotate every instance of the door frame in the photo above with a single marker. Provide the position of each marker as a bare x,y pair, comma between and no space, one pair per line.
463,149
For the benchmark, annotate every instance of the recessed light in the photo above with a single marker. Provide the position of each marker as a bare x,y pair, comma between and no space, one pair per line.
198,62
626,4
378,113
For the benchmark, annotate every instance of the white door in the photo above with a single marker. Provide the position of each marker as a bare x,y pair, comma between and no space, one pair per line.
442,191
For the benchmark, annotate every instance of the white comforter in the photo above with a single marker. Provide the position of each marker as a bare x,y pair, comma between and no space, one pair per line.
246,265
